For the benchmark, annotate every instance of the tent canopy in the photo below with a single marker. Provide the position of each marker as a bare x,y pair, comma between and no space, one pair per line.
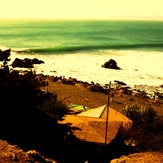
90,126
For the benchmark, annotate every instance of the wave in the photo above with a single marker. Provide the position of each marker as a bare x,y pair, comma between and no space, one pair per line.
71,49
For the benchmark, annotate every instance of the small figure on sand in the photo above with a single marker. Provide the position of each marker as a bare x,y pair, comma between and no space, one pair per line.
85,100
111,96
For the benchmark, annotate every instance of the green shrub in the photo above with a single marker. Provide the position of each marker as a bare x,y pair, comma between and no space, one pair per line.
139,115
147,128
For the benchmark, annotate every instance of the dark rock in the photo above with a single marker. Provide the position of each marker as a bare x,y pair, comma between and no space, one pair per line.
70,81
36,61
20,63
25,63
96,88
112,64
53,71
36,156
4,55
119,82
161,85
158,95
124,90
141,94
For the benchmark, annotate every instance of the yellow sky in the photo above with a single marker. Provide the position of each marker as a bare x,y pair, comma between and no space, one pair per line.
77,9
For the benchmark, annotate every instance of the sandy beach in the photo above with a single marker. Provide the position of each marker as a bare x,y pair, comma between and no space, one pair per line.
73,94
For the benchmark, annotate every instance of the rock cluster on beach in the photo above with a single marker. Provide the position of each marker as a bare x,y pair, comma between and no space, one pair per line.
119,86
26,63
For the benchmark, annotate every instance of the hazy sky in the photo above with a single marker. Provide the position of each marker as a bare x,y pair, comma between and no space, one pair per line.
74,9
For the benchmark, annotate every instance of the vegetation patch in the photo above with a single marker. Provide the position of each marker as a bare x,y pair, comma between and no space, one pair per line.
146,132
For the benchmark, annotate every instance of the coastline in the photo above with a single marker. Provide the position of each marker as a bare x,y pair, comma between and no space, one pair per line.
141,71
59,69
138,51
143,77
96,87
72,90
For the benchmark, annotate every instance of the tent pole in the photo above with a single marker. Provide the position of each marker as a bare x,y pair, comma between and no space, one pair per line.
107,113
98,151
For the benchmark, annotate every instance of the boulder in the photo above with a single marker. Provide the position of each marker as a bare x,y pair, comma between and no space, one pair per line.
70,81
36,61
4,55
141,157
22,63
12,153
96,88
119,82
25,63
141,94
112,64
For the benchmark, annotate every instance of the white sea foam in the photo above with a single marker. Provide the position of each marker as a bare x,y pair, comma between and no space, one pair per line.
138,68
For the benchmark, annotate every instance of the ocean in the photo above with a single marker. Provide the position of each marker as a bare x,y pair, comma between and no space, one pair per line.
78,48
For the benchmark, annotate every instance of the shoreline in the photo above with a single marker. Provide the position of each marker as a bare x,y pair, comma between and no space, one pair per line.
149,89
70,66
74,94
118,86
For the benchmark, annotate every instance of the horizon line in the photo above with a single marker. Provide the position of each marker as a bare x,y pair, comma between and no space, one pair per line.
116,17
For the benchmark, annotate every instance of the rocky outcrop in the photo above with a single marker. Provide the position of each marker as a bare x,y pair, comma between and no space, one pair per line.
12,153
149,157
112,64
26,63
96,88
141,94
4,55
70,81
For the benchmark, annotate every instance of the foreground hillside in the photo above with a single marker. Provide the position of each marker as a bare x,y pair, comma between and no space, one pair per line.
73,94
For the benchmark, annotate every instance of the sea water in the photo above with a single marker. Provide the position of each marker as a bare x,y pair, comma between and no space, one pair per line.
78,48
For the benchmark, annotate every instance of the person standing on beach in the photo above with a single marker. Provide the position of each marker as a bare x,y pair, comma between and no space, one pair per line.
85,100
111,96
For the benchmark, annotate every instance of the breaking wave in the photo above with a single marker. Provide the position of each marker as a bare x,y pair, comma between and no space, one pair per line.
73,49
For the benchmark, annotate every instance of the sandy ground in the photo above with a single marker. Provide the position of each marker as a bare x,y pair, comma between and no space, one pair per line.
73,94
